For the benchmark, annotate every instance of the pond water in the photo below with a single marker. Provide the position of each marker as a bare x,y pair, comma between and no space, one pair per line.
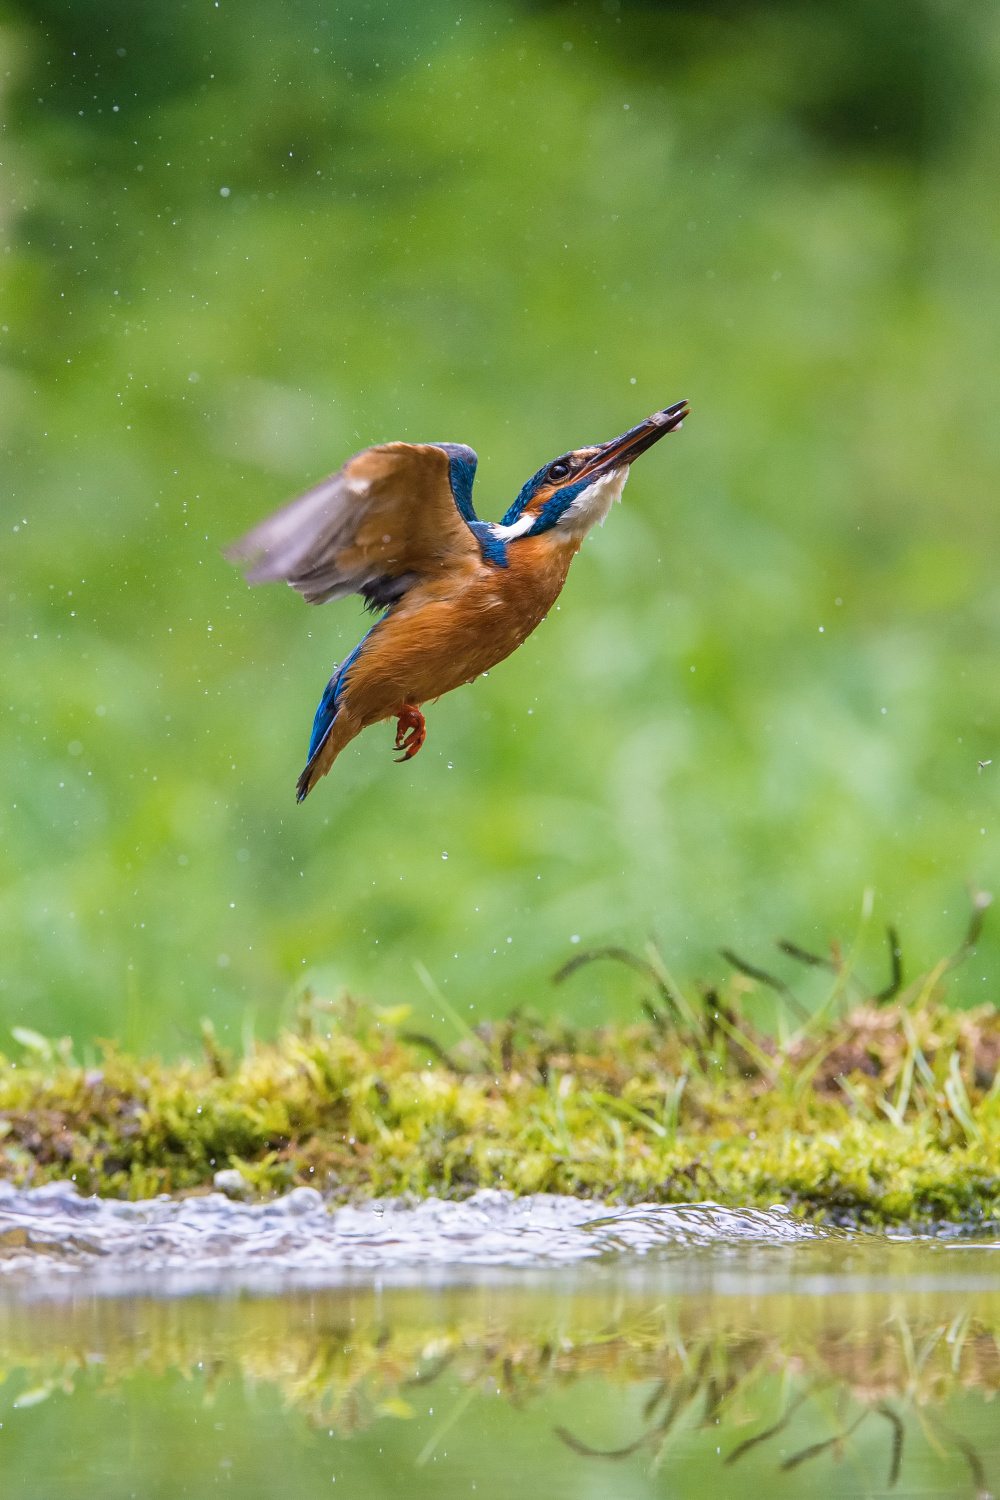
529,1347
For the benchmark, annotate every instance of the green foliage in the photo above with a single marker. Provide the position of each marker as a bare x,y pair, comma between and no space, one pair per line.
772,674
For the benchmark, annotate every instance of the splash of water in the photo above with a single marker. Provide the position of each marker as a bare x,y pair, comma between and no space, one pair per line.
52,1232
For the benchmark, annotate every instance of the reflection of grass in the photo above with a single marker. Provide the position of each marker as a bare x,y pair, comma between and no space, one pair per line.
716,1383
781,1380
877,1108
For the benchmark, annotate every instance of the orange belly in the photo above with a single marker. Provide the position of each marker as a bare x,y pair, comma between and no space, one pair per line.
430,644
442,635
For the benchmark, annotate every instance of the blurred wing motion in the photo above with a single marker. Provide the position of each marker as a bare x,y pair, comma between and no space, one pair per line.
383,522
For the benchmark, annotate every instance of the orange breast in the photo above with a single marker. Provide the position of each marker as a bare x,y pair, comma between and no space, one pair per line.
444,634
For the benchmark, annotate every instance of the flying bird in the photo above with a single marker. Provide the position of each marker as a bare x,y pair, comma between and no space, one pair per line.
457,595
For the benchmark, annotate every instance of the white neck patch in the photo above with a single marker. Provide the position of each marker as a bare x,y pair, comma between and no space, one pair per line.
520,526
591,506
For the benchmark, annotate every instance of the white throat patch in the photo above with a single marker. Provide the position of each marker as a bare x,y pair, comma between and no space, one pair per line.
591,506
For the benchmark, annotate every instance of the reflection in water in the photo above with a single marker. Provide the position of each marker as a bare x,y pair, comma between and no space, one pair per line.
615,1374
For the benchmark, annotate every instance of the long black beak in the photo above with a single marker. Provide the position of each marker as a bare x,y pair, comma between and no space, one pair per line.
625,449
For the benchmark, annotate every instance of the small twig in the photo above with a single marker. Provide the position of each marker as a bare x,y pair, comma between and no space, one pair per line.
896,959
803,956
815,1449
621,956
898,1432
685,1391
437,1367
656,1016
217,1060
981,900
769,1066
769,1432
716,1393
584,1449
763,977
663,1389
420,1039
590,955
968,1452
667,982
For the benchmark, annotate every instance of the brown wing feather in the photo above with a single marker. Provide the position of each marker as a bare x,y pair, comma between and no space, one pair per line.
389,511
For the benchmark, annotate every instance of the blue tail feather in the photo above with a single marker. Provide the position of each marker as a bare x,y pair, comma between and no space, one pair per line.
322,724
325,714
330,701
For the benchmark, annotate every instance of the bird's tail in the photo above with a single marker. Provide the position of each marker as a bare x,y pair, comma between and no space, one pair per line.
342,730
306,782
333,728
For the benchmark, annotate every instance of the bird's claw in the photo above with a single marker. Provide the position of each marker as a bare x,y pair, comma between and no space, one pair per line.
411,731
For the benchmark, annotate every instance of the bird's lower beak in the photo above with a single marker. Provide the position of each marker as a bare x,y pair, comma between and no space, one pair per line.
625,449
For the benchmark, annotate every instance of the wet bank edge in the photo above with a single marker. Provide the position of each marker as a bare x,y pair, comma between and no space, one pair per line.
54,1242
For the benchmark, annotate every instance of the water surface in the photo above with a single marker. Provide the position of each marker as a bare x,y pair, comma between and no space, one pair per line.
687,1352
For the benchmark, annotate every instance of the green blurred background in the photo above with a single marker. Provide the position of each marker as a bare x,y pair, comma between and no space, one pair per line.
239,241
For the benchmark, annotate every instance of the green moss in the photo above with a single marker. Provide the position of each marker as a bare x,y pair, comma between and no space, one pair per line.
888,1114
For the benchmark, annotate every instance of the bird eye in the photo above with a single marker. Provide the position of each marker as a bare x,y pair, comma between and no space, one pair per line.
559,470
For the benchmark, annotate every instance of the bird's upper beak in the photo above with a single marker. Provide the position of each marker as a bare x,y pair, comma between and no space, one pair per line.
626,448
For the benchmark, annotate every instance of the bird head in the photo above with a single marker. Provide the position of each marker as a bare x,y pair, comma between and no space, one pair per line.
578,489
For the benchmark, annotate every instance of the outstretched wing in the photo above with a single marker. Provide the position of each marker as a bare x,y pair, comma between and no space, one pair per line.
387,519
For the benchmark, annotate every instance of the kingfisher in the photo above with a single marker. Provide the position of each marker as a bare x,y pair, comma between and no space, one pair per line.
456,595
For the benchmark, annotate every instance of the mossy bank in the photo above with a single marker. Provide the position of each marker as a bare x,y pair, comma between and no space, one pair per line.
874,1110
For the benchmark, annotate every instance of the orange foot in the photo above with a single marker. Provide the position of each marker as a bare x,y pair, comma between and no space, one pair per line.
411,731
